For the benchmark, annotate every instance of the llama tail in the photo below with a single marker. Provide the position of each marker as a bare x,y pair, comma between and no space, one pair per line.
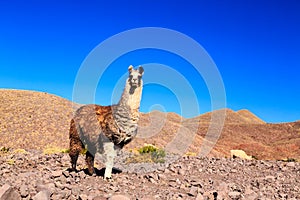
76,145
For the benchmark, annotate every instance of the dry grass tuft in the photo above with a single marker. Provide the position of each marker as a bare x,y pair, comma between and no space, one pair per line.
20,151
189,153
54,150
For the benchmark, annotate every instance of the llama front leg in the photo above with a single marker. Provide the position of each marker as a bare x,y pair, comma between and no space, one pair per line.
110,154
90,162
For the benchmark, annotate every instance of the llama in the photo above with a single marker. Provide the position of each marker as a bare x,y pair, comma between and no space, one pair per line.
105,129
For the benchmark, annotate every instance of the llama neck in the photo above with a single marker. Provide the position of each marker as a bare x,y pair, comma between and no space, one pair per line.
131,102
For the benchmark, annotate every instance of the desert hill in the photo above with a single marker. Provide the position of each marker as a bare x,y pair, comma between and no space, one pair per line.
35,120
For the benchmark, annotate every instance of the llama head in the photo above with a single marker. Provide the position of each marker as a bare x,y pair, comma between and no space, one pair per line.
135,77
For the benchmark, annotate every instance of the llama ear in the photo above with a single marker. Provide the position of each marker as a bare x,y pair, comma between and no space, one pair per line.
141,70
130,68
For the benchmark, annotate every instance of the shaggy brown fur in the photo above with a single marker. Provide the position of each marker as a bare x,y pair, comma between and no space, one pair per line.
104,129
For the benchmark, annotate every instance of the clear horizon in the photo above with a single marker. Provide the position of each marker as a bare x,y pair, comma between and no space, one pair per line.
255,46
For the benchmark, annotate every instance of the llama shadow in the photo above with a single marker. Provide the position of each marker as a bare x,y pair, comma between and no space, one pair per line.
97,171
102,171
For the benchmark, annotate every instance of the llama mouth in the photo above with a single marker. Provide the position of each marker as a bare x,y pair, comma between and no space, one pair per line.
134,84
132,89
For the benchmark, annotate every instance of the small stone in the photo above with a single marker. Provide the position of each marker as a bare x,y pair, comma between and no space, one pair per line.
75,191
193,191
148,198
56,174
172,169
24,191
59,185
82,175
209,195
99,198
223,187
67,194
8,193
284,169
62,179
181,172
42,195
234,195
196,183
152,180
119,197
270,178
83,197
41,187
57,197
199,197
283,195
161,177
66,173
51,188
290,164
73,174
4,171
250,194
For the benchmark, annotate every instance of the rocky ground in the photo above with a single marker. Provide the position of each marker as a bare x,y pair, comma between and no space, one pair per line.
38,176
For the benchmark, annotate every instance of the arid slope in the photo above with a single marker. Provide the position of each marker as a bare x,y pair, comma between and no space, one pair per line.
37,120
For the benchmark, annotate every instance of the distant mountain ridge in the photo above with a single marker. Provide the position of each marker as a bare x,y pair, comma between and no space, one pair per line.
35,120
232,117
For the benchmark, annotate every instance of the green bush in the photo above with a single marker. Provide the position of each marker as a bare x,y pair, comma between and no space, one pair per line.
254,158
148,154
290,160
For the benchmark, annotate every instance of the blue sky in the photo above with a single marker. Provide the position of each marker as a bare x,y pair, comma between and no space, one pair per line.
255,45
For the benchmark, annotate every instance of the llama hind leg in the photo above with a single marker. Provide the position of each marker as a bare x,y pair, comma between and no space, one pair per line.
75,149
74,153
110,154
75,145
